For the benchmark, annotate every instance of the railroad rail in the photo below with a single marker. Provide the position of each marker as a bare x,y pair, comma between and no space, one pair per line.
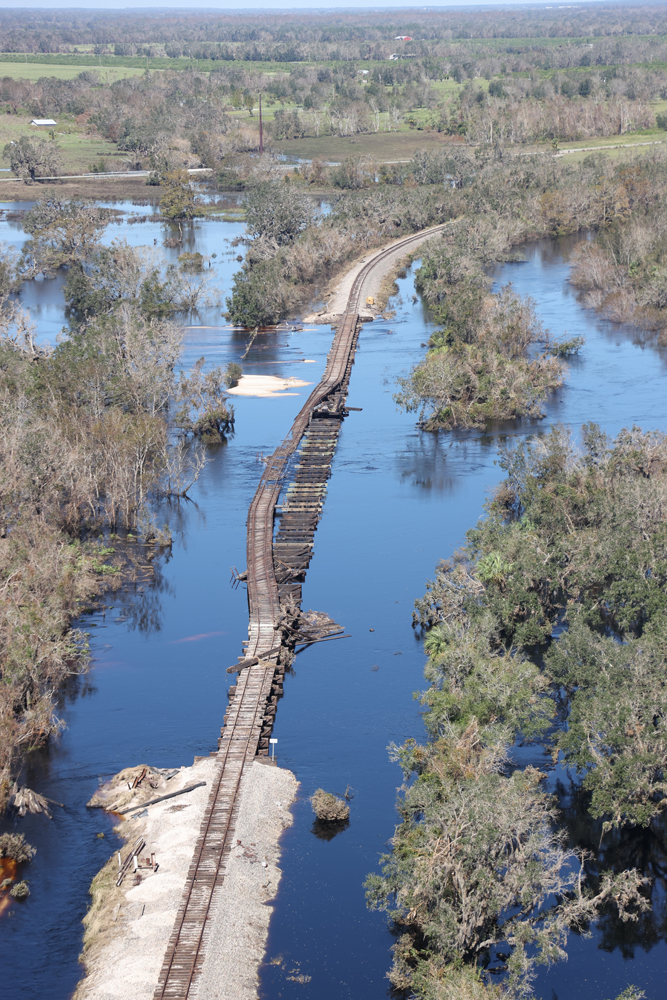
273,575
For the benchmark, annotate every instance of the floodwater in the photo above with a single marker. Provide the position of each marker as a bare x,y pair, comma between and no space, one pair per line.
398,501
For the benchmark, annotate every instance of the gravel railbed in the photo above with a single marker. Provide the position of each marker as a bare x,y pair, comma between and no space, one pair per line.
236,941
385,268
128,928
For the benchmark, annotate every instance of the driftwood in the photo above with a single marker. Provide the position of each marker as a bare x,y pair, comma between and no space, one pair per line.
325,638
304,627
236,577
251,661
138,846
129,786
161,798
24,800
297,628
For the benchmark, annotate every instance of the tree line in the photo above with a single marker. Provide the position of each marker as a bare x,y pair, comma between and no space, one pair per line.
342,35
517,90
478,367
91,432
548,626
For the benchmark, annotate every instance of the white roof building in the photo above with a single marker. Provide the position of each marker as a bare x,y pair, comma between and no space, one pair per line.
43,121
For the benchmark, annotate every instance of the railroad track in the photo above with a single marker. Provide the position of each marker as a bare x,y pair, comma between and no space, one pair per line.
253,700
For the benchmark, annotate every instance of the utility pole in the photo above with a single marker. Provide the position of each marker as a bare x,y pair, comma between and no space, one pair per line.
261,136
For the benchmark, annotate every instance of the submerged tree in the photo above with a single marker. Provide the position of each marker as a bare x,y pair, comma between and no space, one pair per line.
573,541
479,880
63,233
477,369
205,411
179,200
276,214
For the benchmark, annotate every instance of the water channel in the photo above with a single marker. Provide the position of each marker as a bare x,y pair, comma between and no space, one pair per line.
398,501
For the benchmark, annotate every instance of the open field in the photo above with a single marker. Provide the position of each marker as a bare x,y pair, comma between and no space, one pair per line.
389,146
383,146
621,152
78,149
35,71
639,139
103,188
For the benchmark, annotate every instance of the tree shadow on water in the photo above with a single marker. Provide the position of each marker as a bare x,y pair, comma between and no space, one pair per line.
643,848
326,830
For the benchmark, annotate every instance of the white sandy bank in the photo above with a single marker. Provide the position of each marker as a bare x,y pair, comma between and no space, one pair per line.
128,928
266,386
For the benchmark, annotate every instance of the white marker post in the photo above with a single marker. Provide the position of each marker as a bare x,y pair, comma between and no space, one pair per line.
273,747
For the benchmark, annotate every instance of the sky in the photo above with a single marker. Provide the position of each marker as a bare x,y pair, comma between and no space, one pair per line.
273,5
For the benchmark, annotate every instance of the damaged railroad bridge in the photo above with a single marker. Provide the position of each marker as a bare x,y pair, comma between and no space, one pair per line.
276,570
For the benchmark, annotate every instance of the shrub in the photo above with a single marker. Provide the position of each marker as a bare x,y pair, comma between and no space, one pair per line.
233,373
13,845
191,261
328,808
20,891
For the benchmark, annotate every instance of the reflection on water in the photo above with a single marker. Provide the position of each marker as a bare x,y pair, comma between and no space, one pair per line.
138,605
617,851
8,876
327,831
398,501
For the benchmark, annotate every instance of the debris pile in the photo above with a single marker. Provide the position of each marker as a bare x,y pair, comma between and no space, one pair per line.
131,787
305,627
24,800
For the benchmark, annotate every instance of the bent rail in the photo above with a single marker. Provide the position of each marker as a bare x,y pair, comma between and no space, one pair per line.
263,600
249,720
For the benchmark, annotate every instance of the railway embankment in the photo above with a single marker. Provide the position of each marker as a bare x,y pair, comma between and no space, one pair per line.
376,272
128,926
190,931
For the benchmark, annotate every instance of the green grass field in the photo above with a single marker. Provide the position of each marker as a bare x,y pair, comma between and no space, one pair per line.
77,148
34,71
621,153
382,146
630,139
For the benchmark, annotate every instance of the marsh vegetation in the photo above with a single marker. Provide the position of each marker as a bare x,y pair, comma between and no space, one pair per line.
92,431
548,626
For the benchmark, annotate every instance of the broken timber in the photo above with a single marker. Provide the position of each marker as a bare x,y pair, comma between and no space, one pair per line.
274,576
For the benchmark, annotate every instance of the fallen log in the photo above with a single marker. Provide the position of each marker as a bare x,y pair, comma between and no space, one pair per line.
161,798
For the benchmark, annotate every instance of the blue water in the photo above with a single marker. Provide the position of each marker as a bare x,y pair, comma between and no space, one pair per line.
398,501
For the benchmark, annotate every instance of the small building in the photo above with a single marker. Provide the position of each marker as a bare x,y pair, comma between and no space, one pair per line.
43,121
403,38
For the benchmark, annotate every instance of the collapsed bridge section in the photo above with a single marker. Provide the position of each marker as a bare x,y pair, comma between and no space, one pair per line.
276,570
